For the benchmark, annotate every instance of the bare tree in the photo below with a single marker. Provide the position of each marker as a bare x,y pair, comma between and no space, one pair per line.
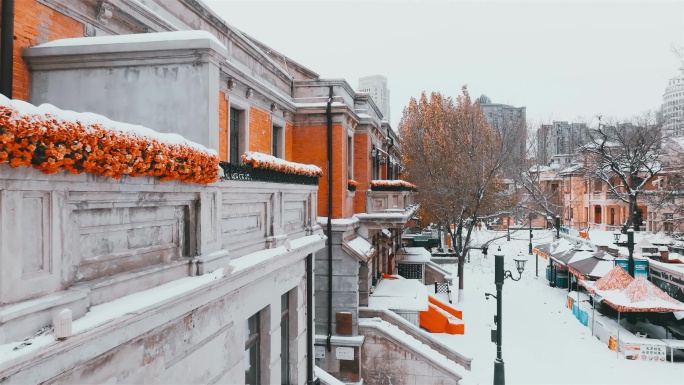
625,157
457,161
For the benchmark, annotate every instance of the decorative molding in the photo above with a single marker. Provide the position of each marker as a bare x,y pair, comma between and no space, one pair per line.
105,12
89,30
230,83
250,93
274,107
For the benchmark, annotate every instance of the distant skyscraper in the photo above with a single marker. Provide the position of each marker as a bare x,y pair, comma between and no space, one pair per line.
673,105
376,86
503,117
560,141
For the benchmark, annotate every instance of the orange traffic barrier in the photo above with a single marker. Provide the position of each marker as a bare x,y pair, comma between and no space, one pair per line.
441,318
387,276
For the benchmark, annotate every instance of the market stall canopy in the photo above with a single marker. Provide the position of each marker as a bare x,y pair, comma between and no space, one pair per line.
615,280
543,250
600,264
642,296
576,253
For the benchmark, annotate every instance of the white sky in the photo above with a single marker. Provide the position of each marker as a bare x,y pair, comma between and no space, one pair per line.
568,60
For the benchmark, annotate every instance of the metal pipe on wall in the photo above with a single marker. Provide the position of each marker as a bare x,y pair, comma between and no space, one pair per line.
7,48
328,114
309,320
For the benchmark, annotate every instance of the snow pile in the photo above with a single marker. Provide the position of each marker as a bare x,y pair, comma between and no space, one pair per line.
393,183
268,162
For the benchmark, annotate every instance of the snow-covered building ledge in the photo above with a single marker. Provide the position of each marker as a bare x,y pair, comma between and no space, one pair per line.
76,241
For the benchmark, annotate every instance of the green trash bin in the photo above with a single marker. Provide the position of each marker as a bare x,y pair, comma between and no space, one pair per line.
562,279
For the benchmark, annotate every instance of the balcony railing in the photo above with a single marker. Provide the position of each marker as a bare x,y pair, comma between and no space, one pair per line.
232,171
389,201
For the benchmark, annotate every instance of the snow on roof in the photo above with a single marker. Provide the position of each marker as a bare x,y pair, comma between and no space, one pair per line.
261,160
399,294
87,118
135,38
413,254
261,256
642,295
360,247
337,221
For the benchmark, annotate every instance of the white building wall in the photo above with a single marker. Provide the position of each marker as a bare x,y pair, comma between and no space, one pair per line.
673,105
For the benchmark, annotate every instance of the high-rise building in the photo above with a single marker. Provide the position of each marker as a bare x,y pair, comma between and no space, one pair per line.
376,87
503,117
559,141
673,105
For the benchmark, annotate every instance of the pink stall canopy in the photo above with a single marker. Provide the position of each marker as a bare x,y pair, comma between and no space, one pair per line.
642,296
614,281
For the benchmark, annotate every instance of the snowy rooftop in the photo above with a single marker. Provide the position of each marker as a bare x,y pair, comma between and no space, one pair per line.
399,294
173,36
413,254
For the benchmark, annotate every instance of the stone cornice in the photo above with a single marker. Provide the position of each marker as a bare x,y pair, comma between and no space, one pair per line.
126,12
124,54
234,73
270,50
237,38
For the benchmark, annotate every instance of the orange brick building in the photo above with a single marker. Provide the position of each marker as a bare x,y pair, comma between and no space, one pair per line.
252,98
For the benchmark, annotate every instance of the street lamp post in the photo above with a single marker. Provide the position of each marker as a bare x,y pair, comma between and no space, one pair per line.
508,229
536,261
557,227
499,276
630,248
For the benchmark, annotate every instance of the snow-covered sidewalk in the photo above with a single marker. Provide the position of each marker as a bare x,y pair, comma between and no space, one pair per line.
543,343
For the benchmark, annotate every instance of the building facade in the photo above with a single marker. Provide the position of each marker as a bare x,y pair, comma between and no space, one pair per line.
376,87
241,253
673,106
559,142
511,123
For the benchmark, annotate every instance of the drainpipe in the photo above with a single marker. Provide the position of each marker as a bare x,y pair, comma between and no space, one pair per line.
309,320
6,48
328,114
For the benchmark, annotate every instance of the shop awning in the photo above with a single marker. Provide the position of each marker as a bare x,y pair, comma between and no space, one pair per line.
642,296
615,280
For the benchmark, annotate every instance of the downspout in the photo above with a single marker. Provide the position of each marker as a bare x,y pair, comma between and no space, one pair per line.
309,320
7,48
328,114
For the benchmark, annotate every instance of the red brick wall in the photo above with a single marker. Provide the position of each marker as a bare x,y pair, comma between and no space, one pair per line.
259,131
223,126
35,24
362,170
311,148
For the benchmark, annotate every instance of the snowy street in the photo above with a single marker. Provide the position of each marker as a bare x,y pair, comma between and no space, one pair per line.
543,343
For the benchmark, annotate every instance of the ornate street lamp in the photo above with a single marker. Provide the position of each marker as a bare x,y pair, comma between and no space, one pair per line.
499,276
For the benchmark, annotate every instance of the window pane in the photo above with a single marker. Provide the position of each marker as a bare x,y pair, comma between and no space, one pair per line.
284,339
252,349
234,135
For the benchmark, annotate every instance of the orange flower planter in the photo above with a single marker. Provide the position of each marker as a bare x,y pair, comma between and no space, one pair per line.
51,144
